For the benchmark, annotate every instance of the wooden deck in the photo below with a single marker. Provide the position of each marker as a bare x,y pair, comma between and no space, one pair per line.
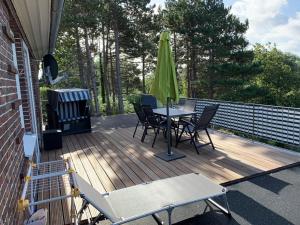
109,158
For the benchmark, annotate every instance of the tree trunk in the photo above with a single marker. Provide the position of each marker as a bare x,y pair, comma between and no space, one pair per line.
80,59
118,83
105,80
112,77
210,78
103,97
91,73
188,71
143,73
193,71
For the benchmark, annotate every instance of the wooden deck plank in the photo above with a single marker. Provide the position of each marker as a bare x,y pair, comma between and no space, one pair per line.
66,203
134,164
110,158
88,161
136,148
55,206
242,154
149,152
128,179
252,148
44,194
130,152
71,153
136,175
202,165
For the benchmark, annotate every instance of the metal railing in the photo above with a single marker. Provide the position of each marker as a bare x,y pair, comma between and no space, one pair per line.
281,124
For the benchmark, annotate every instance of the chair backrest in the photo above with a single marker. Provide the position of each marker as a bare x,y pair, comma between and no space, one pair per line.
149,100
181,101
139,112
189,105
95,198
150,116
207,115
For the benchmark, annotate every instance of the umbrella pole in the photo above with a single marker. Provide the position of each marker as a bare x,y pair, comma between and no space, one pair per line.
169,155
169,127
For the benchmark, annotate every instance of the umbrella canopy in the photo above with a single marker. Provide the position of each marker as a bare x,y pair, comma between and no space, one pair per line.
165,82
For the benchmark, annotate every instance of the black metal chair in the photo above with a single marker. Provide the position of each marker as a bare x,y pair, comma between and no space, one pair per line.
199,124
153,122
141,116
187,105
149,100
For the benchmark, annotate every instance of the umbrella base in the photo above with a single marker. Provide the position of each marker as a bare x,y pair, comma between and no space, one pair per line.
166,157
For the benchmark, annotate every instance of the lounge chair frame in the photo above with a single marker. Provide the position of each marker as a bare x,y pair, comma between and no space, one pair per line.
107,212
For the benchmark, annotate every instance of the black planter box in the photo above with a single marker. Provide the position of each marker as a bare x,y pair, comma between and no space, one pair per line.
52,139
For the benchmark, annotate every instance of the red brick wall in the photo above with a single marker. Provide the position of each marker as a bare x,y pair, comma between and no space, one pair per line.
11,133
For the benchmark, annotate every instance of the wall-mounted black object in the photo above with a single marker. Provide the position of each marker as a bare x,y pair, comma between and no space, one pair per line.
50,62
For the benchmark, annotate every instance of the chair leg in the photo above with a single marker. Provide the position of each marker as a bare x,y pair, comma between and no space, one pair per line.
194,142
210,139
144,134
136,128
179,137
156,133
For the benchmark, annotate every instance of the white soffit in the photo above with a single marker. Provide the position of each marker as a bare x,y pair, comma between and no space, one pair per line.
35,18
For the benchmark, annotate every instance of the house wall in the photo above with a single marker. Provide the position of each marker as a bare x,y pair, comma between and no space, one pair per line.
12,158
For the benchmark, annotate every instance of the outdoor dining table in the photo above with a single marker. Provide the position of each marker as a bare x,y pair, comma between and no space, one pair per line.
173,113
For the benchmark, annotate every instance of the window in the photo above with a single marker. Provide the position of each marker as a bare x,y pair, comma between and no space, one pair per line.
18,85
27,69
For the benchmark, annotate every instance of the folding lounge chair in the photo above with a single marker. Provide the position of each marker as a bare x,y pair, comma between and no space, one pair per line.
132,203
196,125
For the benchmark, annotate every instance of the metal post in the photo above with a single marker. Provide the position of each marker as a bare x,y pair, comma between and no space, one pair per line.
170,215
253,121
169,155
168,127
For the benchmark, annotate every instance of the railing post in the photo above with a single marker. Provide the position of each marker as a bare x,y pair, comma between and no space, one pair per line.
253,121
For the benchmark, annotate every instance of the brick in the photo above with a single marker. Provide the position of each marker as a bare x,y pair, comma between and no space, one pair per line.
11,133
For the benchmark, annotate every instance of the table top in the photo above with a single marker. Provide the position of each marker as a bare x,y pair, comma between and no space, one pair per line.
173,112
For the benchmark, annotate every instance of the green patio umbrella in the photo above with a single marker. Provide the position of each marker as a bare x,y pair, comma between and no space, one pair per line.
165,87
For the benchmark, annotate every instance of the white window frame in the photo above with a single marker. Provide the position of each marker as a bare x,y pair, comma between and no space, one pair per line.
17,76
27,70
31,142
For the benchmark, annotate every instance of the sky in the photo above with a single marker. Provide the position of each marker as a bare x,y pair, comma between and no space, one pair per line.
275,21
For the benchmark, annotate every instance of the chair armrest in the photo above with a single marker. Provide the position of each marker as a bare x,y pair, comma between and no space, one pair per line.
186,122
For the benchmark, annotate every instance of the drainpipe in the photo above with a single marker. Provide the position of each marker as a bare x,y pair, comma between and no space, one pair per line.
56,12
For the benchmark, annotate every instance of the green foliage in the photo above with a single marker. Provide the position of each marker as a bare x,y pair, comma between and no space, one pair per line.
44,100
212,55
214,47
134,98
279,78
